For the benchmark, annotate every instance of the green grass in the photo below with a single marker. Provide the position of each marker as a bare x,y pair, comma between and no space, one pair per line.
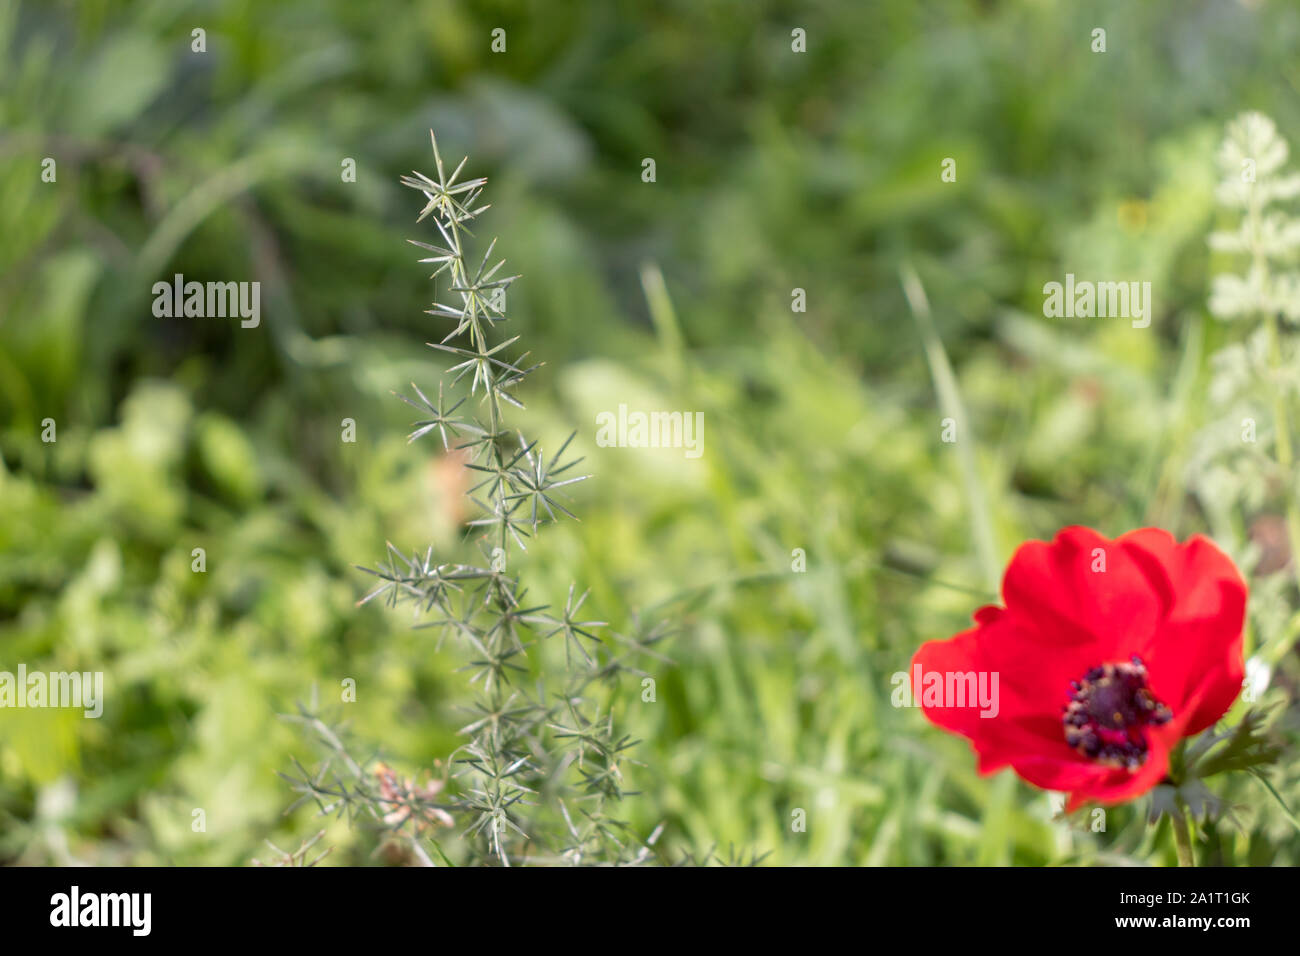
822,429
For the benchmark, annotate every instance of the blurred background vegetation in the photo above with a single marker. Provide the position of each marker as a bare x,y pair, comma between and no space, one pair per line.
775,170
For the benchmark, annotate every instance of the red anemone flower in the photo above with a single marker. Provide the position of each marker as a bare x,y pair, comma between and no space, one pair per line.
1106,654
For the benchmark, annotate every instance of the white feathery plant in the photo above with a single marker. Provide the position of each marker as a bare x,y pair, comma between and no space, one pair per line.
1243,464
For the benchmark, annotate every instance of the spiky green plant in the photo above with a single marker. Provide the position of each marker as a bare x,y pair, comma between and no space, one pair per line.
542,769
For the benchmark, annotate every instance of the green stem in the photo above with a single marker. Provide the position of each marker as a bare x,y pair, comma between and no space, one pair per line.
1181,822
945,385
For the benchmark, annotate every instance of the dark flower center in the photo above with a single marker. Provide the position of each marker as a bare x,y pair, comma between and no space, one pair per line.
1108,708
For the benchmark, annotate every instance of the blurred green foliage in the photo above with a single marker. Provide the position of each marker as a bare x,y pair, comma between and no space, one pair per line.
774,171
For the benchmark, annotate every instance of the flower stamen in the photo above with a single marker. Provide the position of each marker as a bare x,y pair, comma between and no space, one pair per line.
1108,709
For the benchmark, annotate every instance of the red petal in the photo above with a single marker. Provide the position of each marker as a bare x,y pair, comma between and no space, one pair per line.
1032,687
1054,587
1197,652
957,655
